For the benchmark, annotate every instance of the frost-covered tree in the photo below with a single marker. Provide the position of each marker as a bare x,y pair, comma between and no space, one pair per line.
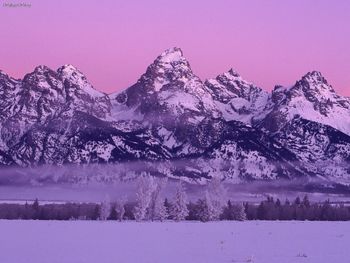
168,206
214,209
215,198
105,209
239,212
179,210
145,188
157,209
160,210
203,210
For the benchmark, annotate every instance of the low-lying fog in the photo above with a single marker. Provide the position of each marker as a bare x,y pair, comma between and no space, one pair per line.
95,183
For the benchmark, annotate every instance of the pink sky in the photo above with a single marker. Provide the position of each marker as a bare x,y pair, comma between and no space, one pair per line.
112,42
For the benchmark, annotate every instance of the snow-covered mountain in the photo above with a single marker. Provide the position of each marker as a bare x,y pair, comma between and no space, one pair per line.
177,124
236,98
311,98
42,96
168,92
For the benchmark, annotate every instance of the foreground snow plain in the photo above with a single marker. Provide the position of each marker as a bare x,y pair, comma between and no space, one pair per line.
111,242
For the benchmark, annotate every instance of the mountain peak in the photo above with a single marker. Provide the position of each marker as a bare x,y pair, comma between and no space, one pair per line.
69,70
314,73
314,77
314,81
67,67
233,73
42,69
169,67
76,77
171,59
171,55
3,74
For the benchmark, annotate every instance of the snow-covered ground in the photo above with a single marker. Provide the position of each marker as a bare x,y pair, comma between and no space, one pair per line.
102,242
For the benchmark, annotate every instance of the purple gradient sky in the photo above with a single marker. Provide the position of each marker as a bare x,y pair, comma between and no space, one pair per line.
268,42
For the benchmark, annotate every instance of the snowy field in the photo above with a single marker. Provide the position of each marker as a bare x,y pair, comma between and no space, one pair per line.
112,242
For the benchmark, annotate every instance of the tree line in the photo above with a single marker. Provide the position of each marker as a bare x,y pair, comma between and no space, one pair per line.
299,209
151,205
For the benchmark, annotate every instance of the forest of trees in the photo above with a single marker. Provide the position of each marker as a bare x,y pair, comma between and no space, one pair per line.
151,205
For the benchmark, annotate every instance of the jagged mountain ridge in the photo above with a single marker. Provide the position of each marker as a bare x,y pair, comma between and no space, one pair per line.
44,95
224,127
313,99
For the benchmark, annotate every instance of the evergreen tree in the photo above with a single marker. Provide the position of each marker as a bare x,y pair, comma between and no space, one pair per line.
160,212
327,212
306,202
297,201
234,212
192,211
270,199
36,204
129,211
96,212
261,213
179,210
227,213
239,212
168,207
251,211
278,202
202,211
113,215
36,209
27,212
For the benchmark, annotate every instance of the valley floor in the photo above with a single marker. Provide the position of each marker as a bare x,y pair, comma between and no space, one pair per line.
215,242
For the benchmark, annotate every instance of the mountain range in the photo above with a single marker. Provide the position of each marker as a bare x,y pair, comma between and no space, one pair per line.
177,124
